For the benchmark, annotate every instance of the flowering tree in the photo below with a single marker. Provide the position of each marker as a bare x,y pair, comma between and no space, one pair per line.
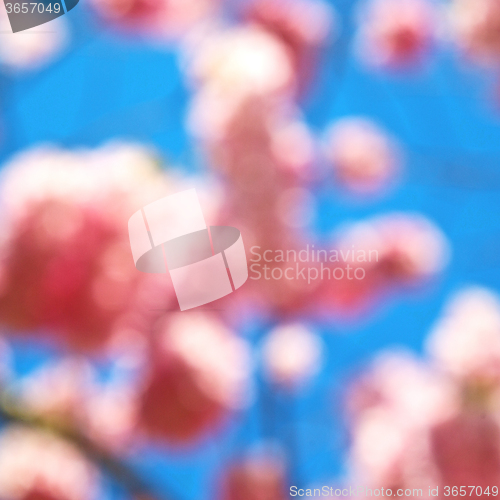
67,277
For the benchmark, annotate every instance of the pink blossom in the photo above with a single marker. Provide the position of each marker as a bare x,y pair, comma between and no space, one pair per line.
392,251
419,424
67,394
256,478
109,416
475,26
364,157
157,18
244,114
467,451
292,354
303,26
412,249
393,407
466,340
66,265
231,68
396,33
465,344
257,143
387,453
402,384
198,374
264,162
59,390
34,50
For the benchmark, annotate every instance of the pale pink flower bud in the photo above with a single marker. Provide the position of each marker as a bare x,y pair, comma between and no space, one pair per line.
35,48
412,248
396,33
364,157
292,354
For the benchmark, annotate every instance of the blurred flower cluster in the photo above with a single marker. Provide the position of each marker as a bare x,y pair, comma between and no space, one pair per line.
65,256
416,423
68,278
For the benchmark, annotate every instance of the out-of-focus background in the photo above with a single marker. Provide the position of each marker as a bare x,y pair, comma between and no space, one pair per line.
349,125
